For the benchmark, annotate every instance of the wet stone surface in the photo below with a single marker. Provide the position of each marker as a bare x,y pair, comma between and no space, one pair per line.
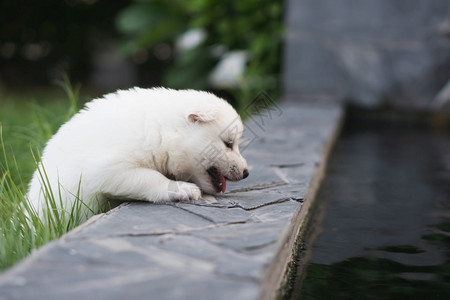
218,247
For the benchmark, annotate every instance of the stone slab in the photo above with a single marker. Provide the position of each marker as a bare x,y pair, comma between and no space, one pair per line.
253,199
140,218
219,215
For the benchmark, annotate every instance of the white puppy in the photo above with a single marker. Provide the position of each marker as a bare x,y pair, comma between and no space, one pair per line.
143,144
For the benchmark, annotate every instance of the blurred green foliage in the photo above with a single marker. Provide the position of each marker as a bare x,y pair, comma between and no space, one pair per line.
254,26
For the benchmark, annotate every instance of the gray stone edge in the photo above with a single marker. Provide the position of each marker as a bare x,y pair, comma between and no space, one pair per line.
277,275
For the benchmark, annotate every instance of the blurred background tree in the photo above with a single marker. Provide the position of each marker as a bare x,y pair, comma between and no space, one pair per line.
232,47
42,39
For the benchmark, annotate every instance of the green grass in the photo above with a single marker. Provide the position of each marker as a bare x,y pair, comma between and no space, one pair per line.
25,126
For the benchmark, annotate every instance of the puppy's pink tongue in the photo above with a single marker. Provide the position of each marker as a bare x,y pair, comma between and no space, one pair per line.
223,183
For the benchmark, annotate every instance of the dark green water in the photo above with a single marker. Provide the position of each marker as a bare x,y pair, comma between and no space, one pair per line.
386,227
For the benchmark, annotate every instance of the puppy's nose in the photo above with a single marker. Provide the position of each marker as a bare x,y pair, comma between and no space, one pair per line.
245,175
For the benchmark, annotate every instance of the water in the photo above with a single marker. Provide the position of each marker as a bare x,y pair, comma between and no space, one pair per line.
386,227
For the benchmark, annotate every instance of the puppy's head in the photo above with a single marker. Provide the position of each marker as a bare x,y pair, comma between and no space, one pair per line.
215,130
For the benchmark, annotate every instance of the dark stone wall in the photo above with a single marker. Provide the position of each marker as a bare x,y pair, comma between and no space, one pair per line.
370,52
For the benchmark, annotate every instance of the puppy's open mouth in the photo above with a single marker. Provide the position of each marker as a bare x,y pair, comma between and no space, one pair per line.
218,180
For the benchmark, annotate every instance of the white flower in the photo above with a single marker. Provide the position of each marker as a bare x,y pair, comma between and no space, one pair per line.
190,39
230,69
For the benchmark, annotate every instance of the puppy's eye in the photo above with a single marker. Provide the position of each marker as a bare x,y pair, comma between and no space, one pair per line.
228,144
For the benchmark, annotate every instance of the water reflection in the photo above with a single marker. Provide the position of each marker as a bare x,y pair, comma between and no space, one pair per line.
386,230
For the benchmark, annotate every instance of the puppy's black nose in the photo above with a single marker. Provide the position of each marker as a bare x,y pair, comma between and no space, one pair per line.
245,175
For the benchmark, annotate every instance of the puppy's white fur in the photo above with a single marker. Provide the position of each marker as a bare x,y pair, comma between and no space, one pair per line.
144,144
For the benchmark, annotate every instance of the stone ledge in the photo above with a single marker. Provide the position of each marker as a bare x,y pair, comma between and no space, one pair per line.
233,246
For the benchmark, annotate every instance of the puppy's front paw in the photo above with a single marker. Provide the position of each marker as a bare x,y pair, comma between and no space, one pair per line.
183,191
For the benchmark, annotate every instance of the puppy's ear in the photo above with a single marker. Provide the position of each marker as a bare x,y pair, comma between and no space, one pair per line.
202,116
